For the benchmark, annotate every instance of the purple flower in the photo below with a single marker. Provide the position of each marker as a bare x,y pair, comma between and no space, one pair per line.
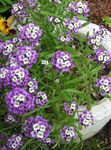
67,133
26,56
7,47
4,148
62,61
10,118
67,38
70,109
31,85
104,84
18,76
97,37
15,142
102,56
41,99
4,77
86,118
19,101
19,10
73,24
30,33
32,3
37,127
12,61
79,8
49,141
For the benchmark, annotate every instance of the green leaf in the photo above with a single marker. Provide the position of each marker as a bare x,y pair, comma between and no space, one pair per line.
3,9
9,1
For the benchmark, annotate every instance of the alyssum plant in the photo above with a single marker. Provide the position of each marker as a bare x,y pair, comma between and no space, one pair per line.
47,70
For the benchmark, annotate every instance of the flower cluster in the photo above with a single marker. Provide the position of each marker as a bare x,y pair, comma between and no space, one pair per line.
11,118
104,83
67,133
73,24
79,8
97,37
19,101
86,118
62,61
66,38
102,56
18,76
53,19
37,127
30,33
41,99
70,109
15,142
26,56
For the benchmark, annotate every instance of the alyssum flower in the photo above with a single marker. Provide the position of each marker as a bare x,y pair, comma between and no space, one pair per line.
86,118
68,134
15,142
37,127
70,109
62,61
19,101
79,8
104,84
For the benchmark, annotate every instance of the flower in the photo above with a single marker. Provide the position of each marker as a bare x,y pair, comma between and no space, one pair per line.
26,56
79,8
62,61
19,101
86,118
4,148
73,24
18,76
55,1
67,133
15,142
102,56
97,37
7,47
70,109
104,84
4,77
18,10
41,99
37,127
30,33
10,118
32,3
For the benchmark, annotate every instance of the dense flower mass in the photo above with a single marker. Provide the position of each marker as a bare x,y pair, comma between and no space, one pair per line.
19,101
30,33
62,61
102,56
26,56
37,127
79,8
73,24
15,142
70,109
97,37
104,84
86,118
18,76
67,133
41,99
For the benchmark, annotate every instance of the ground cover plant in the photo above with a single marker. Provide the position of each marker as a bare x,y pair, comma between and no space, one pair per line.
47,71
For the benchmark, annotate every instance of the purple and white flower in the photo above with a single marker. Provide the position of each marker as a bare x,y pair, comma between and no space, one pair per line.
10,118
15,142
41,99
104,84
86,118
62,61
18,76
70,109
19,101
68,134
37,127
30,33
79,8
102,56
26,56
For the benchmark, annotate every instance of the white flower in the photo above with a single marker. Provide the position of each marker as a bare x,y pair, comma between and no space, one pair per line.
36,126
70,26
73,106
67,132
14,79
71,133
16,104
57,20
80,10
40,134
31,90
18,138
25,61
67,63
62,38
42,128
106,82
100,57
28,53
30,83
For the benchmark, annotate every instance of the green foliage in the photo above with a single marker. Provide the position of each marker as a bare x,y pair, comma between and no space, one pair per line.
107,21
6,5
